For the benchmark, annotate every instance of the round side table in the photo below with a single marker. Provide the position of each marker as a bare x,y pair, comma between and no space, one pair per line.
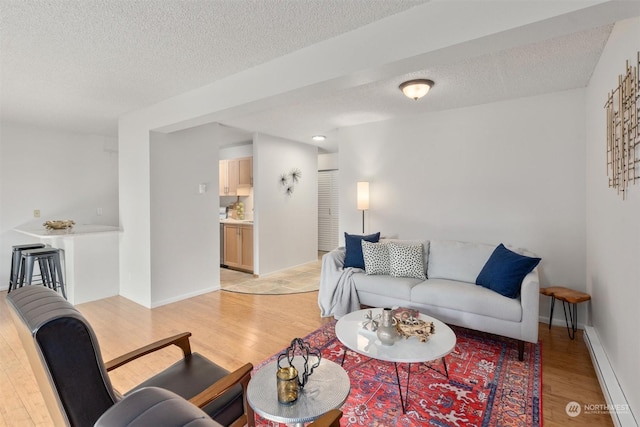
327,388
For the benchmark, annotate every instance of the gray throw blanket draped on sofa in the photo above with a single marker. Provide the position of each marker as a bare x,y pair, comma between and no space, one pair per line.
337,295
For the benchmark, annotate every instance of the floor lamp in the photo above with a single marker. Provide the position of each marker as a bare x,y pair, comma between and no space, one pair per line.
363,199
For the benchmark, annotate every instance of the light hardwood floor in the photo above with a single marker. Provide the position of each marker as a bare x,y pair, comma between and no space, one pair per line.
232,329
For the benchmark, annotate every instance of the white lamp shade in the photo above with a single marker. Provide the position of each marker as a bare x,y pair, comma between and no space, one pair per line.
363,195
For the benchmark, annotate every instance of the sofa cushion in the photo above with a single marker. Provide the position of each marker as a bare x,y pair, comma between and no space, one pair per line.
467,298
406,260
460,261
504,271
388,286
353,244
376,257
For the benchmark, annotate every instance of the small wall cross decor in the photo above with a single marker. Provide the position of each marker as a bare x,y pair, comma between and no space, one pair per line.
623,133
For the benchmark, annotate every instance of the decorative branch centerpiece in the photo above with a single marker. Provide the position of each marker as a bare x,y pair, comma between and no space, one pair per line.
409,324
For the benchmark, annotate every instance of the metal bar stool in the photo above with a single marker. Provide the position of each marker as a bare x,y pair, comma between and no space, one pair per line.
16,258
50,268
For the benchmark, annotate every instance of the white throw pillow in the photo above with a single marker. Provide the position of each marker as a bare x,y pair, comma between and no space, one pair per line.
376,258
406,260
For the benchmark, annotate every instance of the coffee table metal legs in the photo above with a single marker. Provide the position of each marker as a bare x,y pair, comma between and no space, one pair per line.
405,402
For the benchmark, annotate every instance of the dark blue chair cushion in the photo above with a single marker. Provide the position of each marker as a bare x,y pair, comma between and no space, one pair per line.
505,270
353,244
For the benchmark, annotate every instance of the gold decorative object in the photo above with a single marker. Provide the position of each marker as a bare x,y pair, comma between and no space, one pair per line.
623,136
59,224
287,380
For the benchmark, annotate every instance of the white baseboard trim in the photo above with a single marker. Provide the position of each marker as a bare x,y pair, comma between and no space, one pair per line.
557,322
185,296
617,404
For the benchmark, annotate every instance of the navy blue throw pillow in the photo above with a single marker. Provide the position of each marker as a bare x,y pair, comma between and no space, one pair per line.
505,270
353,243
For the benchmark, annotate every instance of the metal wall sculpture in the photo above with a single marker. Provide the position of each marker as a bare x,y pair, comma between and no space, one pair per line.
623,133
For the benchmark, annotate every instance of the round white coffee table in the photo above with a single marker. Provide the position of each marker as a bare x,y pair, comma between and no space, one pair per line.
327,388
351,333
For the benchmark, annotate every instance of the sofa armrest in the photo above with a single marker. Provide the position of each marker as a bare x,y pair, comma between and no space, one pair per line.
530,300
330,274
335,258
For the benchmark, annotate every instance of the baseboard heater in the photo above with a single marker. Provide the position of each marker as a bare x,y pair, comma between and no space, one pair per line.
616,402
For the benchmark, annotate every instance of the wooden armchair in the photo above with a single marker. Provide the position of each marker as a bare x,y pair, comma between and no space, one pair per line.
64,354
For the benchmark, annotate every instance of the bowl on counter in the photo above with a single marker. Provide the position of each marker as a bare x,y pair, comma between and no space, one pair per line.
59,224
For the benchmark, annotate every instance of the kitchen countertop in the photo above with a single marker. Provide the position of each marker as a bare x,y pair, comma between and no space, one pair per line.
236,221
77,230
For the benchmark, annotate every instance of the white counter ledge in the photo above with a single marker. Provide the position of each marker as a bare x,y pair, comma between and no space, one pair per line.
90,258
236,221
77,230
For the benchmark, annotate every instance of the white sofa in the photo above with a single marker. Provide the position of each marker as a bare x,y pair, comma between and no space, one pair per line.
449,293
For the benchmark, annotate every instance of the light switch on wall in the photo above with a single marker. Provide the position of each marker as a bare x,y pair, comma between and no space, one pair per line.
36,213
202,188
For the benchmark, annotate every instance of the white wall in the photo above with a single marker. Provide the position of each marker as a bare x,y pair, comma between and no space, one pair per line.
325,67
509,172
287,226
236,151
185,251
328,161
135,213
613,225
64,175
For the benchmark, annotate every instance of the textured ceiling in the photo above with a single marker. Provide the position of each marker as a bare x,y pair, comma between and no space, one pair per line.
552,65
78,65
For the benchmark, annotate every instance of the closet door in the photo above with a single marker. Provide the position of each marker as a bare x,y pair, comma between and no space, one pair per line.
327,210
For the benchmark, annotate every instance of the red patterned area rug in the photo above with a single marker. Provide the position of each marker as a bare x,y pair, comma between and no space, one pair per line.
487,385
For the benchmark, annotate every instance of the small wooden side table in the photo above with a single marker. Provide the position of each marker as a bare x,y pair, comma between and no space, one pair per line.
570,298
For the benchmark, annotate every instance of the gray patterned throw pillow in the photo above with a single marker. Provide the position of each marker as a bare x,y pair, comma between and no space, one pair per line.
406,260
376,258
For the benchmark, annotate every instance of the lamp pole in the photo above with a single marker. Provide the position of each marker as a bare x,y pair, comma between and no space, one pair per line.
362,197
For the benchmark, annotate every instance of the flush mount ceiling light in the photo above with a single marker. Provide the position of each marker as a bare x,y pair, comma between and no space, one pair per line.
318,138
416,89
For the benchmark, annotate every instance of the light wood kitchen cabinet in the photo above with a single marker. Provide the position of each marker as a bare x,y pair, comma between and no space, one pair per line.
245,171
235,173
238,246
